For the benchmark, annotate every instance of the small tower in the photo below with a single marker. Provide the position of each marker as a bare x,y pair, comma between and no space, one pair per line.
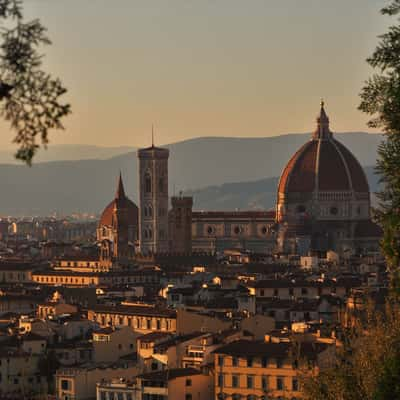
180,224
153,188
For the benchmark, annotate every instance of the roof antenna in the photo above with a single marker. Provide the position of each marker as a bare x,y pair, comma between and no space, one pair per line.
152,135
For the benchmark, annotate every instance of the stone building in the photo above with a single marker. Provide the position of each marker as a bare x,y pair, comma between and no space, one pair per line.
323,198
323,203
153,188
219,230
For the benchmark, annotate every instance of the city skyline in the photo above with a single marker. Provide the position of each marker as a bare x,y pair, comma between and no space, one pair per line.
232,69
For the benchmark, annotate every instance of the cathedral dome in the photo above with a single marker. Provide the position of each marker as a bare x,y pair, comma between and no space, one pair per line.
323,165
120,202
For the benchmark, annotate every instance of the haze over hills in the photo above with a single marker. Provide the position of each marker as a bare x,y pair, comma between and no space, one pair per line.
260,194
88,185
68,152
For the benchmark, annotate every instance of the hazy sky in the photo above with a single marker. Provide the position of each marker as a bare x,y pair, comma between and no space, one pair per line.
206,67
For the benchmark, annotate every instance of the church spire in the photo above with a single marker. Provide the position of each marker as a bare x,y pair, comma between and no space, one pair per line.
120,193
322,131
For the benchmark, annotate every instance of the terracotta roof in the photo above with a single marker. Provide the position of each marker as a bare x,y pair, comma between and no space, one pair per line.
332,173
120,202
246,348
134,310
323,164
154,336
169,374
359,180
299,173
104,331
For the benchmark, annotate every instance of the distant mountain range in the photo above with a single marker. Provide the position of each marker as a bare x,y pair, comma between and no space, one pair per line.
68,152
211,163
260,194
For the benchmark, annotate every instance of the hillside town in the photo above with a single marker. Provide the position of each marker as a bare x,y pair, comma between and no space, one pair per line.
163,302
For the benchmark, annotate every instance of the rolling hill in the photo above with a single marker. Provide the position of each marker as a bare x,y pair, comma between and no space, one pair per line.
87,185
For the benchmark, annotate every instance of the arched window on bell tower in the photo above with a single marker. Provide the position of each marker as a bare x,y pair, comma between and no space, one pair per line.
147,183
161,184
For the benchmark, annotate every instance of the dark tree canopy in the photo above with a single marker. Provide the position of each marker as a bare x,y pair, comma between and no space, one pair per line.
367,367
29,96
380,98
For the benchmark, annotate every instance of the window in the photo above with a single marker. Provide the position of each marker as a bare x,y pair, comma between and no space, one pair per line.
264,382
220,361
188,397
250,381
235,381
235,362
65,384
276,292
279,363
120,396
236,396
334,210
188,382
295,384
147,183
262,292
279,383
304,291
249,361
220,380
264,362
161,185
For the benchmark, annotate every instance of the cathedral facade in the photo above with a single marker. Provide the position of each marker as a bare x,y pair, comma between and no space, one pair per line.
323,203
323,199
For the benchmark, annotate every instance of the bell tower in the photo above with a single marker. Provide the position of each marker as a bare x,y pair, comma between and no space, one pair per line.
153,188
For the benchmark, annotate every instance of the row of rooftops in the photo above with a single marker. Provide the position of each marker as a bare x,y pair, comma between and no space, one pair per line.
134,310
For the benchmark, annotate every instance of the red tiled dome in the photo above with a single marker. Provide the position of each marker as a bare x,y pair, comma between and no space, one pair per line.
323,164
123,203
